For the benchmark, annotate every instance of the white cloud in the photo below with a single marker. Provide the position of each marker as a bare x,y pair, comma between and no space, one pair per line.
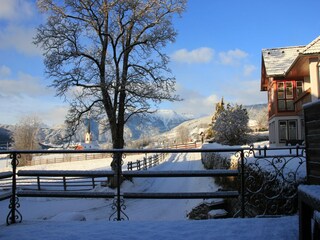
26,95
248,70
50,112
24,85
194,102
18,26
232,56
248,93
19,38
15,9
199,55
54,114
4,71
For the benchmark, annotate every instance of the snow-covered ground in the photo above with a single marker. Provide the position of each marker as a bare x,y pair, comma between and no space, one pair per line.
136,209
285,228
56,218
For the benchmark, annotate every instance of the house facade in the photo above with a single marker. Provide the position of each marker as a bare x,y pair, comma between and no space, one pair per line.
290,75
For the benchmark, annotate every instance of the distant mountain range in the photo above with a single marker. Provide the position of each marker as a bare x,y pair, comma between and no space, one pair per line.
154,123
146,125
137,126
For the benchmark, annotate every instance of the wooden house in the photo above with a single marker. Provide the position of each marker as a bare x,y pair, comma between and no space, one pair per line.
290,75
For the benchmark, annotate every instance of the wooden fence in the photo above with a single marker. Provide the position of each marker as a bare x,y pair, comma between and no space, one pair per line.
146,162
312,136
59,158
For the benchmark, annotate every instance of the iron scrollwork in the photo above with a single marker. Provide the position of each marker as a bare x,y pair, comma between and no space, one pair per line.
118,207
14,215
271,182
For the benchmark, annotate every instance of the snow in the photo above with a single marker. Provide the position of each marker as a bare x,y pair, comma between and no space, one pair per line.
312,191
288,162
217,213
55,218
194,126
263,229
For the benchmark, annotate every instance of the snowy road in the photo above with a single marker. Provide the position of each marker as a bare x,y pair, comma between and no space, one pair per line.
172,209
137,209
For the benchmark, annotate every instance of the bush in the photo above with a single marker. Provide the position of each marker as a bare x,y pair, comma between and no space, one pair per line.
212,160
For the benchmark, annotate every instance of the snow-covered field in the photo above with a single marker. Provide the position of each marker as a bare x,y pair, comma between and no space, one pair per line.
56,218
135,209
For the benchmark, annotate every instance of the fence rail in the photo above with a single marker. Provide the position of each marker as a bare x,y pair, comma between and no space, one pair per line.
42,159
262,179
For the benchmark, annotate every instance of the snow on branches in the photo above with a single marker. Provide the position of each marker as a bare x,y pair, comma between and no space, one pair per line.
231,125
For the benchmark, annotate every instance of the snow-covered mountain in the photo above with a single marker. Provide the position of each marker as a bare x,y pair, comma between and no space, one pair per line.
151,124
194,127
138,125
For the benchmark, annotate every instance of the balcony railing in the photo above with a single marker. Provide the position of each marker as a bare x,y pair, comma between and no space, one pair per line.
257,181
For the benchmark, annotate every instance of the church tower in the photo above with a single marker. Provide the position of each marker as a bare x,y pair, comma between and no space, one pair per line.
88,135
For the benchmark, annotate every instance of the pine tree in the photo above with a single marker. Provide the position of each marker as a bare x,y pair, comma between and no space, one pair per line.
219,109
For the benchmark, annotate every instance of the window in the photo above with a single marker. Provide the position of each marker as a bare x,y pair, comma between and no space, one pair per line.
283,131
285,96
289,90
288,130
281,90
292,130
299,88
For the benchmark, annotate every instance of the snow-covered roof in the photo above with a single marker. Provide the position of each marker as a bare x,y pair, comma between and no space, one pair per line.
313,47
277,61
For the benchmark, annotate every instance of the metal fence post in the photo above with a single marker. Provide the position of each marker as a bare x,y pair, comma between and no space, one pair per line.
64,184
38,183
14,215
242,185
118,156
297,150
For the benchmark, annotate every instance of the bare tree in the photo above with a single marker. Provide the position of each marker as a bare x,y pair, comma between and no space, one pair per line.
262,119
107,53
25,137
183,134
260,115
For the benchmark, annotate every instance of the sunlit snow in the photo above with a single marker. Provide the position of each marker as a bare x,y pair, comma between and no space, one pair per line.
79,219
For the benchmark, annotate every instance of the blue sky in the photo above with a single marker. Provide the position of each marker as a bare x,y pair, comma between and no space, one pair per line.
217,54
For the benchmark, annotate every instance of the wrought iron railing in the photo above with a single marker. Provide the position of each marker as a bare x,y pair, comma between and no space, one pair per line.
259,181
272,176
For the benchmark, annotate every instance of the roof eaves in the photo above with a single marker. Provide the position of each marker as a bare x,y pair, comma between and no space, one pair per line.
313,47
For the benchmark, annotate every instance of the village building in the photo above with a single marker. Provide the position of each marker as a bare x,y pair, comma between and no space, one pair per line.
89,142
290,75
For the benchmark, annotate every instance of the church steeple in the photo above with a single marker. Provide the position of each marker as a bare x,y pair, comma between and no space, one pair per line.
88,135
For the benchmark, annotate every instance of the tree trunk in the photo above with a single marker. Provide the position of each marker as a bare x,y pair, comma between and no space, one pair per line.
116,164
